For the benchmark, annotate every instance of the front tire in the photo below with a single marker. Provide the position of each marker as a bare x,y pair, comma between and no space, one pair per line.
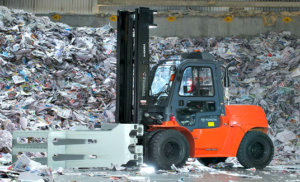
167,148
256,150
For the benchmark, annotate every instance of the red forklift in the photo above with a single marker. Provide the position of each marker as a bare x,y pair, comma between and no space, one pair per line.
181,104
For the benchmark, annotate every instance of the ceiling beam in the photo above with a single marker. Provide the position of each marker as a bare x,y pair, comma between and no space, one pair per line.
211,3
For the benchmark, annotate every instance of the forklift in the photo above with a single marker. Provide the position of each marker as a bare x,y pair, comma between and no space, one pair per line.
165,113
181,104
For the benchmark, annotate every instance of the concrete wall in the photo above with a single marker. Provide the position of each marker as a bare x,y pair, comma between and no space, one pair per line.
90,7
51,6
197,26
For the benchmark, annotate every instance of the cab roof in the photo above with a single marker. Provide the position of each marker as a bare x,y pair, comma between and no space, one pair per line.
198,55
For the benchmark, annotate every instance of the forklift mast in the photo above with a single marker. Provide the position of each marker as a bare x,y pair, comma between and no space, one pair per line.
133,64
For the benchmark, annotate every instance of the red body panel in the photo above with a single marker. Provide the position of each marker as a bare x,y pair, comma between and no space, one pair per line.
224,140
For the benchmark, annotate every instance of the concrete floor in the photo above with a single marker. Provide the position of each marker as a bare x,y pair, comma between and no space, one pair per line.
272,173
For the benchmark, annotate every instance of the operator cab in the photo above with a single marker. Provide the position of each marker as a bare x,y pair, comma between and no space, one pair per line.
189,89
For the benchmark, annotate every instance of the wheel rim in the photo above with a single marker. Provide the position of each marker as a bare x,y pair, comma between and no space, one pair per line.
171,150
256,150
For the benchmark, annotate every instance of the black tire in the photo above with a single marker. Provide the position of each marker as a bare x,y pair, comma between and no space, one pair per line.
168,147
256,150
146,143
211,160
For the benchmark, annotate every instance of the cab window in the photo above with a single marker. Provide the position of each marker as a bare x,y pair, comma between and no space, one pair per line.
197,82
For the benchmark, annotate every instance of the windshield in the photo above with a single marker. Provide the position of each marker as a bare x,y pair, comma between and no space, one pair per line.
161,81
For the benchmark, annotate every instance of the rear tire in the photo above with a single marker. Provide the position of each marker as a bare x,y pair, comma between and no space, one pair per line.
167,148
256,150
211,160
